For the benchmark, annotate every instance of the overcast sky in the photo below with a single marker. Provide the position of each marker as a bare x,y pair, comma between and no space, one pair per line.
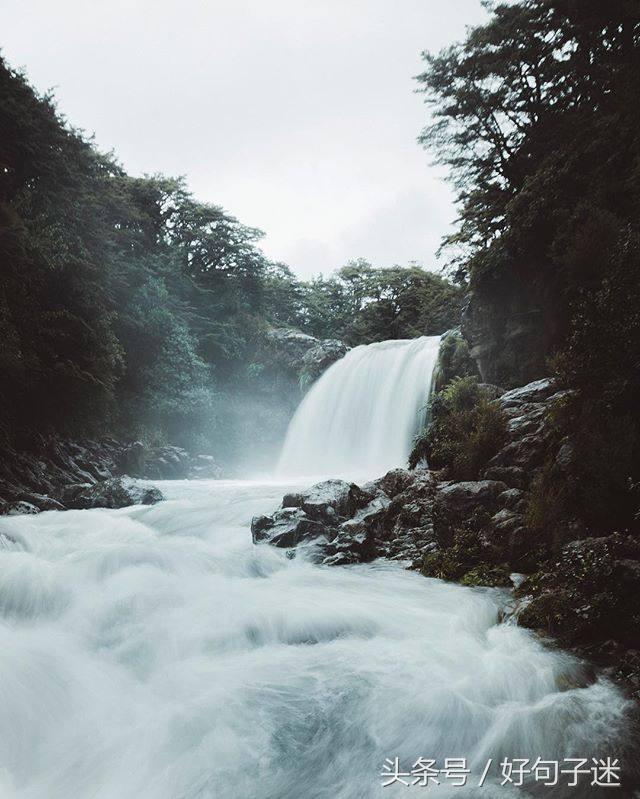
297,116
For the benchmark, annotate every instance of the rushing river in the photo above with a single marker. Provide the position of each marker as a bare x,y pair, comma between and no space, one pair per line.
155,653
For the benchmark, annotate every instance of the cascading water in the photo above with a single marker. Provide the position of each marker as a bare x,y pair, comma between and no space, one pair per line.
156,653
362,414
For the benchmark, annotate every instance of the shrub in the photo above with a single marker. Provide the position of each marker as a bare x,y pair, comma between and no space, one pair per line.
467,560
454,359
466,431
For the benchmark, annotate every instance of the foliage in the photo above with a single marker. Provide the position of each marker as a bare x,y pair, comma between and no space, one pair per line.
454,360
588,593
536,115
466,560
465,431
361,304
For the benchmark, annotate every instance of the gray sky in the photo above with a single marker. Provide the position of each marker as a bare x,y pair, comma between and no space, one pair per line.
297,116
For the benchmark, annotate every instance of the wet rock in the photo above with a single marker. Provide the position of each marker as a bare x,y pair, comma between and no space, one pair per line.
21,508
506,520
391,484
41,501
565,457
115,492
319,358
70,492
356,539
537,391
510,498
328,501
288,527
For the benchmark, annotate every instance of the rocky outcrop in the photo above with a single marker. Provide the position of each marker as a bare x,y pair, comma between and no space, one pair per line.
390,517
115,492
510,334
304,357
56,473
319,358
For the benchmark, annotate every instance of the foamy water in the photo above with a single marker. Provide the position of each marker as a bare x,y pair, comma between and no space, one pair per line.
155,653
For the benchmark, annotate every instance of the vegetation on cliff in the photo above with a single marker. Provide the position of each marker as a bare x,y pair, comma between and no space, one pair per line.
536,115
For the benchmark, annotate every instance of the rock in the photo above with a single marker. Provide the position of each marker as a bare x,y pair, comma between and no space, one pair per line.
509,334
42,501
327,501
587,596
301,355
70,492
115,492
506,521
565,457
529,422
510,498
513,476
21,508
206,466
353,524
291,343
468,495
537,391
391,484
355,541
132,460
319,358
527,452
288,527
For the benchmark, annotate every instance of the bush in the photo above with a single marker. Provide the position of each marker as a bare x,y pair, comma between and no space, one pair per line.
467,560
466,431
454,359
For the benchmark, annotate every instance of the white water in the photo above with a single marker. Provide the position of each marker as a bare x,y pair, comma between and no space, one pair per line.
361,416
155,653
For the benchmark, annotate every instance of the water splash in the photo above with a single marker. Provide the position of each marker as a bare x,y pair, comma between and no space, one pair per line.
361,416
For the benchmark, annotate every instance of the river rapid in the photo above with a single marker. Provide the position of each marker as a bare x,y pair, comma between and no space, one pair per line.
156,653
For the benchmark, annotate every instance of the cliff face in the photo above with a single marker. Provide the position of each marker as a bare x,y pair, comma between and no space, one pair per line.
510,334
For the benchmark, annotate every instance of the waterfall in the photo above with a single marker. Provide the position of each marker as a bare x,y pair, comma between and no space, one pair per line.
361,416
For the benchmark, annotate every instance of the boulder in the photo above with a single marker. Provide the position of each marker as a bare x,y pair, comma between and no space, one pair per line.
392,483
510,498
319,358
527,452
41,501
20,508
115,492
328,501
355,541
513,476
468,495
538,391
288,527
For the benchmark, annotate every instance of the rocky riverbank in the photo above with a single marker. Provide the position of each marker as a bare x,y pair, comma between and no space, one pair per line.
59,475
577,588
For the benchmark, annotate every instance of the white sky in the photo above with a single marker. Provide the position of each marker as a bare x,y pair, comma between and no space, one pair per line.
297,116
